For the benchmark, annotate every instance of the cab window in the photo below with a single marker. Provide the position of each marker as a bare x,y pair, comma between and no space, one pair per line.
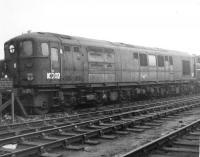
135,55
161,61
152,60
45,49
67,48
26,48
198,59
186,67
170,60
143,59
54,58
166,58
76,49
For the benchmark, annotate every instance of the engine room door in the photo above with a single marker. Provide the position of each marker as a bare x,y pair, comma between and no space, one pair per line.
72,64
55,69
78,65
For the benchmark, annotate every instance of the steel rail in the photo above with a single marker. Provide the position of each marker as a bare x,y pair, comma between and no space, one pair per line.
145,149
71,117
135,112
67,140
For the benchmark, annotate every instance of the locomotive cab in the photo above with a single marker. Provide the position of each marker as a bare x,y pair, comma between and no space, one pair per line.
32,63
18,55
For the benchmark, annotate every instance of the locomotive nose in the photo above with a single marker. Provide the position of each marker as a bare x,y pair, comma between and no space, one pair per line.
18,54
2,69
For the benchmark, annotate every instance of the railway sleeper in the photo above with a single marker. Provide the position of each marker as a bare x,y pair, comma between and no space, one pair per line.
142,127
48,137
80,130
172,115
145,116
95,127
7,134
118,121
152,124
196,133
159,155
51,138
74,147
190,137
106,124
91,142
120,132
181,142
166,117
59,123
158,121
136,130
108,137
24,131
31,143
68,134
46,127
46,154
128,119
177,149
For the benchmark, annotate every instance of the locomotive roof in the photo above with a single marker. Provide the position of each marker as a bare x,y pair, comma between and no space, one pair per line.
99,43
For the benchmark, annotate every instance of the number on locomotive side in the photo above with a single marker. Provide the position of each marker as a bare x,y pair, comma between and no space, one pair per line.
53,76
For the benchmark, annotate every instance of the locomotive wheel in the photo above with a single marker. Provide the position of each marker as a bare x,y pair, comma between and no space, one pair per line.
41,103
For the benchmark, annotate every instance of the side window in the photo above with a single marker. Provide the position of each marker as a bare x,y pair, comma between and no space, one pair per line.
76,49
166,58
160,61
45,49
152,60
135,55
170,60
109,55
67,48
143,59
95,54
198,59
26,48
186,67
77,53
54,58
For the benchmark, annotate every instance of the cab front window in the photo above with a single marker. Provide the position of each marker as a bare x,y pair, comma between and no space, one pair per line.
26,49
45,49
54,58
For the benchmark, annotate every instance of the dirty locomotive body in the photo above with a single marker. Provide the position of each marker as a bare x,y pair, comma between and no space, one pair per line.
51,70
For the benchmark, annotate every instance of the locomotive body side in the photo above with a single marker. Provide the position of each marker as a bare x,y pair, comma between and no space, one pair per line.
52,69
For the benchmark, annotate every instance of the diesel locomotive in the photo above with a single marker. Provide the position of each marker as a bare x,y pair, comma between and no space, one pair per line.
50,69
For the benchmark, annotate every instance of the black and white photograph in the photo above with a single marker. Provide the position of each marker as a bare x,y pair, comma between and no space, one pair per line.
100,78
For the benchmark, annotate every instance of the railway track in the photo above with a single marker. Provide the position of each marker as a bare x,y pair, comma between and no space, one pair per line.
78,116
184,142
38,142
32,126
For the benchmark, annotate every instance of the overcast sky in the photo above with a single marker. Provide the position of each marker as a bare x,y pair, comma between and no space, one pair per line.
170,24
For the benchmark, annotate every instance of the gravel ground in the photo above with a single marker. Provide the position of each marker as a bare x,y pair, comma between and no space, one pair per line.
125,143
